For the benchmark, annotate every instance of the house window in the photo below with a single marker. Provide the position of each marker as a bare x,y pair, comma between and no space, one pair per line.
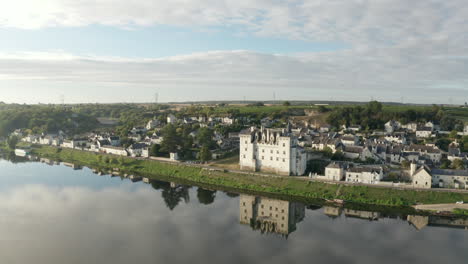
277,159
282,211
284,144
271,158
284,152
284,160
244,203
263,157
271,151
246,142
263,151
262,206
245,149
277,152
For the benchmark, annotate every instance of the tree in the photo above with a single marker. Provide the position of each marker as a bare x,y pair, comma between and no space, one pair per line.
453,134
445,164
205,196
205,137
286,103
323,109
155,150
170,139
205,153
12,142
405,164
458,164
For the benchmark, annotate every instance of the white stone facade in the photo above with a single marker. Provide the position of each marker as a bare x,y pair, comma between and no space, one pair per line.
271,150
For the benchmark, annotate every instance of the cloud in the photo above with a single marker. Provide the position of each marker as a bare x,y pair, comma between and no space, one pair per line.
397,48
357,74
360,22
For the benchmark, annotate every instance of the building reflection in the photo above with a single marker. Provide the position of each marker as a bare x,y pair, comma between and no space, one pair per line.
419,221
270,215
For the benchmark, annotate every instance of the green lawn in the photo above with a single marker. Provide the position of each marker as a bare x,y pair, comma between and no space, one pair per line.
285,186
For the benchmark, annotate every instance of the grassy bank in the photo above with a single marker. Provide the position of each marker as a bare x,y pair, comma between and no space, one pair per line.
284,186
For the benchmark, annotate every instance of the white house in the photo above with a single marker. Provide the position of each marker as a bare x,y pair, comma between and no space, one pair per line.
421,178
114,150
137,149
410,127
391,126
171,119
152,124
114,141
271,150
424,132
349,140
335,171
365,175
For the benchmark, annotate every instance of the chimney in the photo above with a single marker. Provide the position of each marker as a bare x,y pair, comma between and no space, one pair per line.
413,168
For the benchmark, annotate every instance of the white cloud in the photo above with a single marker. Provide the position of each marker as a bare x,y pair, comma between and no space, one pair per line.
413,49
360,22
382,73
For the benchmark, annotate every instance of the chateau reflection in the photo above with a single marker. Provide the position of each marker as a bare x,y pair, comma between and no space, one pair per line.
270,215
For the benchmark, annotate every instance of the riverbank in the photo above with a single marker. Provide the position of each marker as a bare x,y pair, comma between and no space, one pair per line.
282,186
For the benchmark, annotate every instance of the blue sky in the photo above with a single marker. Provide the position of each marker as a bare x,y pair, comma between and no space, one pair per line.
113,51
149,41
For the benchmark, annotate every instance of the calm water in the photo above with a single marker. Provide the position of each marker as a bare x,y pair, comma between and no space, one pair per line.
55,214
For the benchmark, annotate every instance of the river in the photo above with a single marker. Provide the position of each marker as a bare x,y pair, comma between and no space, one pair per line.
52,213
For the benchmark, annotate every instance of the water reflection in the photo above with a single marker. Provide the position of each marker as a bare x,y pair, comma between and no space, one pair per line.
270,215
157,222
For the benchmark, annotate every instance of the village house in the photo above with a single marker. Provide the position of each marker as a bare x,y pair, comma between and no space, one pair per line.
171,119
411,127
336,171
138,150
114,150
424,177
432,153
349,140
271,150
423,132
365,175
114,141
392,126
396,138
152,124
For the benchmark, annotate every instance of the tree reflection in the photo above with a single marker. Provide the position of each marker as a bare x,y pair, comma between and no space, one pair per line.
205,196
172,194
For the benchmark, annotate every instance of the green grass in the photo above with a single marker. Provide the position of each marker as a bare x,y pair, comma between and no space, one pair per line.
459,211
284,186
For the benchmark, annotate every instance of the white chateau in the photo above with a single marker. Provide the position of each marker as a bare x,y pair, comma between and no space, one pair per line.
271,150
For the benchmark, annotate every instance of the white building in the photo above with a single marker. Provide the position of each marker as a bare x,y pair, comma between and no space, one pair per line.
271,150
152,124
391,126
171,119
335,171
114,150
365,175
424,132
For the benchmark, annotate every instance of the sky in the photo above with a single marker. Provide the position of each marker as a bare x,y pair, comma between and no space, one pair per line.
104,51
